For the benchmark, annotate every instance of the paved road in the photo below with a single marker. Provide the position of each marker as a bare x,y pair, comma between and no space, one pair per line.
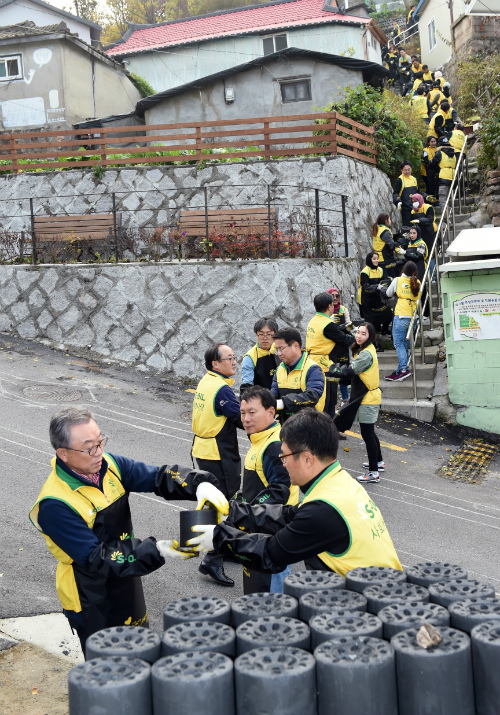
147,418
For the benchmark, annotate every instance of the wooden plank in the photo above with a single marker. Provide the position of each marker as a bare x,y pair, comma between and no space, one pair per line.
82,217
69,239
342,118
225,212
368,159
357,145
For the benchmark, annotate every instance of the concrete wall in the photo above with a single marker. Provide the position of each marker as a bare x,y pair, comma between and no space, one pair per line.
163,316
41,16
63,83
473,365
184,64
440,12
476,33
257,93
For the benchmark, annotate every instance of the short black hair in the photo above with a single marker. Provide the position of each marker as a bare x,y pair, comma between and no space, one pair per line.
211,354
311,431
406,163
322,301
289,335
256,392
421,90
262,322
445,105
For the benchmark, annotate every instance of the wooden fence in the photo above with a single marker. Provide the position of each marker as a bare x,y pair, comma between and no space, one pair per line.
253,137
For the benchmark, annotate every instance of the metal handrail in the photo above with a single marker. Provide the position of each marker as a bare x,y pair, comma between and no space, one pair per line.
403,36
446,227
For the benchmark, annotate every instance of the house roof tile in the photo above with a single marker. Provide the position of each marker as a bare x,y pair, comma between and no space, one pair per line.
267,17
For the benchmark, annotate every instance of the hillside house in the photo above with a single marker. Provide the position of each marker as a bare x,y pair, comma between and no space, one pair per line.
13,12
173,54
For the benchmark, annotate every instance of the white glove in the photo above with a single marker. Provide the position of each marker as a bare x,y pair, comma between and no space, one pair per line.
380,287
400,251
207,492
170,550
280,405
203,542
399,206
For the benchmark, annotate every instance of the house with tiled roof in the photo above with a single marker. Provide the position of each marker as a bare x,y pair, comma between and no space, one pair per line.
51,79
13,12
173,54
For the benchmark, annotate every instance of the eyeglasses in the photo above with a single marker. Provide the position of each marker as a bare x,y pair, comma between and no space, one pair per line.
284,456
233,359
280,350
265,335
335,295
94,449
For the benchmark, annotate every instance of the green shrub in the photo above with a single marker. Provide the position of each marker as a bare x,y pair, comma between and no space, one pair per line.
398,133
475,75
142,85
490,138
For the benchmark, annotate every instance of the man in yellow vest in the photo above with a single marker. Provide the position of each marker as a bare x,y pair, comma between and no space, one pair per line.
323,334
260,362
443,164
337,527
420,105
298,381
84,514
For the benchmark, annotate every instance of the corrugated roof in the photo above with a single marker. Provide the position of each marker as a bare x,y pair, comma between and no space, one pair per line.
268,17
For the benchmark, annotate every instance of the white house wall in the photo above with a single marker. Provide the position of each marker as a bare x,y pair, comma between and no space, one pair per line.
13,14
171,68
440,12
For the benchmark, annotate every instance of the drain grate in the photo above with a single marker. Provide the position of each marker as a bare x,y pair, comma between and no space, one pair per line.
470,462
52,393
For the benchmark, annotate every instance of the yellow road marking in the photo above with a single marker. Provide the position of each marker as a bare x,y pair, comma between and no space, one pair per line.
394,447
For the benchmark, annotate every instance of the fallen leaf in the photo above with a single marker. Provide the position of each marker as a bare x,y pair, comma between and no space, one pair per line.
448,449
34,691
346,449
22,548
190,390
408,428
402,462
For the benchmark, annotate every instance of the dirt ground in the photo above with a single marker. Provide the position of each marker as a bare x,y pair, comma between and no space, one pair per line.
32,682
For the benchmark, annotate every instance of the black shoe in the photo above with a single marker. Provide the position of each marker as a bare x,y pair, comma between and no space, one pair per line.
217,573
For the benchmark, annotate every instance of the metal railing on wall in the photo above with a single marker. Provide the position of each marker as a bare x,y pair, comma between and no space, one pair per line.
262,221
326,133
445,234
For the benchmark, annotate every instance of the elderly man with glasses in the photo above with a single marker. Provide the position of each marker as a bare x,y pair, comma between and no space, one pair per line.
84,514
216,417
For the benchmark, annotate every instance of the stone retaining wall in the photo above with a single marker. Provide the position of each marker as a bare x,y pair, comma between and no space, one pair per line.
162,317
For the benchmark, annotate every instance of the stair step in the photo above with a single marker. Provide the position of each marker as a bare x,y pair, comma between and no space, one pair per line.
433,337
389,358
422,410
404,389
425,373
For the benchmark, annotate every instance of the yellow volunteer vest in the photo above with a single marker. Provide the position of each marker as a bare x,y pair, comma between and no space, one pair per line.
457,139
446,115
317,346
447,166
253,460
86,501
407,302
422,211
420,242
427,77
407,182
416,85
430,155
295,380
206,423
257,352
418,105
370,543
379,243
372,273
371,379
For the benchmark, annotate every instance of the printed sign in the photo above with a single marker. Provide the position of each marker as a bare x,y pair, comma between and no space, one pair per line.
23,112
476,316
42,56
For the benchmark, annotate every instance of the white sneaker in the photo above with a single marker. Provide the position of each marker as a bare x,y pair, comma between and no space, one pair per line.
380,466
368,477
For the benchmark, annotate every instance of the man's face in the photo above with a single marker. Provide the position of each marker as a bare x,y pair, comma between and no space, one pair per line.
265,337
82,437
226,365
293,465
406,170
289,354
255,417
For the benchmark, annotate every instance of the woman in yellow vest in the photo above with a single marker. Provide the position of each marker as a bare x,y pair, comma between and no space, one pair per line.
366,397
424,216
407,289
429,177
405,186
384,244
371,307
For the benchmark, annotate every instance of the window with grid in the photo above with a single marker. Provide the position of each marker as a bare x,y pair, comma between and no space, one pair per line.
10,68
296,91
274,43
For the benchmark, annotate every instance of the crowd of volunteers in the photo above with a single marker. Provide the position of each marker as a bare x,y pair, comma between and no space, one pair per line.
287,499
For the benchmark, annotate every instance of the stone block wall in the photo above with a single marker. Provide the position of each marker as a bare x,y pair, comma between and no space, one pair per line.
162,317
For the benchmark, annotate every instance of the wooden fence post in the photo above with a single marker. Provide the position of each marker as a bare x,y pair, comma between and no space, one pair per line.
333,133
13,152
267,141
198,144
